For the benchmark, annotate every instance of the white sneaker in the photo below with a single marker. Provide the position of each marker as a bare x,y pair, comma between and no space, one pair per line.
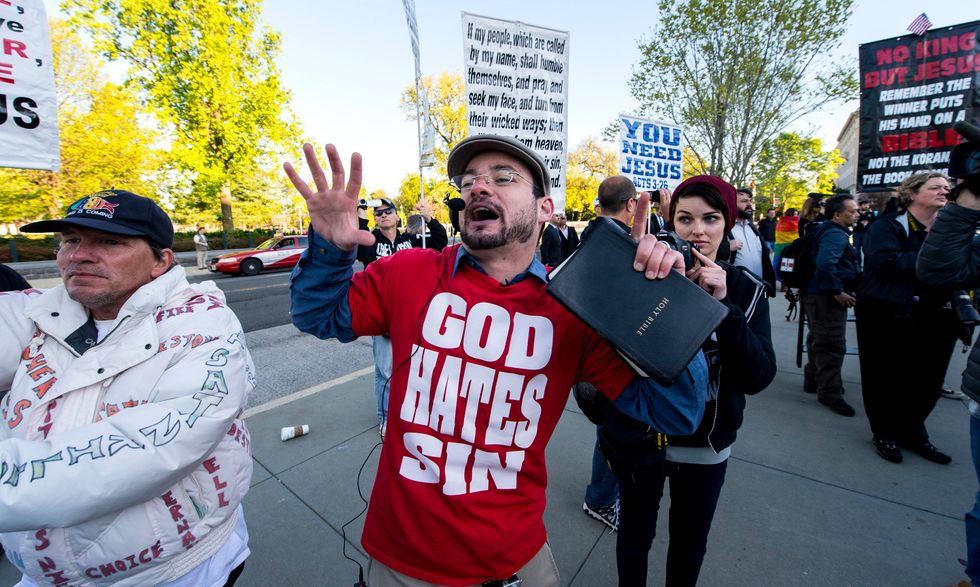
608,515
952,393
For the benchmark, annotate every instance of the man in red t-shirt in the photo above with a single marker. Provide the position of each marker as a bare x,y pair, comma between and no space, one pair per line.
483,363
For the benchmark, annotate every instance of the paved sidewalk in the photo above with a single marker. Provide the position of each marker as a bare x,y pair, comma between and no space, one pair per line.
806,502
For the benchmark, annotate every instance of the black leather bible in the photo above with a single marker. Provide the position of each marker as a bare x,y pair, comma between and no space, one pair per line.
657,325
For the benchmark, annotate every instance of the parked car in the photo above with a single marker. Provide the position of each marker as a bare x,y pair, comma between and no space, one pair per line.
275,253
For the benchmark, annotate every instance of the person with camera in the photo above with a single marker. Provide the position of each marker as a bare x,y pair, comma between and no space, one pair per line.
898,313
950,257
811,211
865,217
741,362
387,241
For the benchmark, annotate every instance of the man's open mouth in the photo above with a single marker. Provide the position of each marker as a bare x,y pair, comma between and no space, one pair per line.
481,212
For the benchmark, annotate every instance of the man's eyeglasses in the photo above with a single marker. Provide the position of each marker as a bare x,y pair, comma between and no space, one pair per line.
383,211
498,177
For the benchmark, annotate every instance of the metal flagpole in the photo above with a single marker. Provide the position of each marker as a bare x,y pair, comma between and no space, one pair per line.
421,107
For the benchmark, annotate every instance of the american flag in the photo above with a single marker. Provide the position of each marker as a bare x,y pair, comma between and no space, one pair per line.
920,25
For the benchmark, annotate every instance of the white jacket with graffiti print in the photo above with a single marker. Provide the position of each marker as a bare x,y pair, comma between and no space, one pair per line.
124,465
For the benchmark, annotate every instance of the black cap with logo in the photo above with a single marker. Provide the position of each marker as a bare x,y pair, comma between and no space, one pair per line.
115,212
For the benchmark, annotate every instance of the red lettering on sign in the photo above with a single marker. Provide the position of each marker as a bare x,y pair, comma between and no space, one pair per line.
11,46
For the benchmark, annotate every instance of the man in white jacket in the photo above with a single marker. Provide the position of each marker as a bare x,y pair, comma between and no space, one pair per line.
123,458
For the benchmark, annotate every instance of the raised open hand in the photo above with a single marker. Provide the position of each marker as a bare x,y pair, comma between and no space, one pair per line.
333,210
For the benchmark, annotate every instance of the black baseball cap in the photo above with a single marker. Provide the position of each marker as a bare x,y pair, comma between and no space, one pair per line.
115,212
470,147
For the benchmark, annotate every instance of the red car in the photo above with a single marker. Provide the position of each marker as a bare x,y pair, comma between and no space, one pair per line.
275,253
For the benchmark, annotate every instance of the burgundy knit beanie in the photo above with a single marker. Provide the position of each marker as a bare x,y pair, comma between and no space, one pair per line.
724,188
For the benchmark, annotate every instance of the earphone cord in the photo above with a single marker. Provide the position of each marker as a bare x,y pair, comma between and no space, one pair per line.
384,413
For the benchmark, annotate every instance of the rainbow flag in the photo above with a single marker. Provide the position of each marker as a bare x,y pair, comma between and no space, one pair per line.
787,231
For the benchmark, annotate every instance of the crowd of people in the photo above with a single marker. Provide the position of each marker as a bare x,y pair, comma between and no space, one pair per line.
127,383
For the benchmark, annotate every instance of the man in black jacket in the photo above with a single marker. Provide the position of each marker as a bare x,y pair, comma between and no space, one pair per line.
767,229
617,201
826,299
558,240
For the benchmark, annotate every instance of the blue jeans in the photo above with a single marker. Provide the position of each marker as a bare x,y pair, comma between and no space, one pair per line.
382,373
603,490
973,516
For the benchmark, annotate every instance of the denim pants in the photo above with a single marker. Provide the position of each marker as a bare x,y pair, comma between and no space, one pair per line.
973,516
382,373
603,490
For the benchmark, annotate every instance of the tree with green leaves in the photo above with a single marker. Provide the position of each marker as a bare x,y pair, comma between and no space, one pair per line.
436,190
791,166
208,69
588,164
735,73
447,111
447,114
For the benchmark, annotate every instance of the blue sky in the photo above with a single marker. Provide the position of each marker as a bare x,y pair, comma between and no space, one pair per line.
347,63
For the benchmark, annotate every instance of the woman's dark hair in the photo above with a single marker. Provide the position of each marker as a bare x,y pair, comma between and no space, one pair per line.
706,192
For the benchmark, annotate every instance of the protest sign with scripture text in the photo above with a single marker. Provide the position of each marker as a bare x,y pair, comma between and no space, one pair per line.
913,90
650,153
517,85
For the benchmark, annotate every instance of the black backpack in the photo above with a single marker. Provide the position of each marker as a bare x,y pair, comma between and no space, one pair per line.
798,260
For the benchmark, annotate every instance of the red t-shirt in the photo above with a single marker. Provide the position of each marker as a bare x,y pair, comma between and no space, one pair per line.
480,375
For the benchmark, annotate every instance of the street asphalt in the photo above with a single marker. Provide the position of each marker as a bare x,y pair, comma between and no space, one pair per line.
806,501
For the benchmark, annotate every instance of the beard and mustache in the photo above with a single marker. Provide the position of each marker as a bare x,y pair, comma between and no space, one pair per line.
521,230
745,214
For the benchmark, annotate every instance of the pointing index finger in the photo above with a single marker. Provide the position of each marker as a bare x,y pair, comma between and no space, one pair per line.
706,262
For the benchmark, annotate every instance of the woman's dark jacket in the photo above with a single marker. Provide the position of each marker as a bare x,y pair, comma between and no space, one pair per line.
891,247
950,257
748,361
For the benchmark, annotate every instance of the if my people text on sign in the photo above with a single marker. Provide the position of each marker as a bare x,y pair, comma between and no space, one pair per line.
517,86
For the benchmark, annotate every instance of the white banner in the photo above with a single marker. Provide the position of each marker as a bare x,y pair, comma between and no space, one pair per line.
517,86
28,106
650,152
